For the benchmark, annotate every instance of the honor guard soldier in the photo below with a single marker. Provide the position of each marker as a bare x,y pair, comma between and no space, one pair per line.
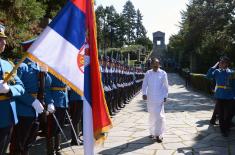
28,106
108,84
104,78
60,97
223,92
14,87
76,108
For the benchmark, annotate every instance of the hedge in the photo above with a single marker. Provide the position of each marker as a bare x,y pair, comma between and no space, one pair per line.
198,81
201,83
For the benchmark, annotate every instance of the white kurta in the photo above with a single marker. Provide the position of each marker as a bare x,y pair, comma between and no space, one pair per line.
155,86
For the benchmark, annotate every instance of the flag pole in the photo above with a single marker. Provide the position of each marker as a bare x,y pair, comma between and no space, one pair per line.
15,68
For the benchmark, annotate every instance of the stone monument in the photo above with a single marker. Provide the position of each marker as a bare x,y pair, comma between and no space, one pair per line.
159,46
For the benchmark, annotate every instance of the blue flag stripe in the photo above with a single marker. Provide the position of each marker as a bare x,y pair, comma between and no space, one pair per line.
87,84
70,24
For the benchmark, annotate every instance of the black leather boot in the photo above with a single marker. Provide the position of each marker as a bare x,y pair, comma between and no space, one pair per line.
57,142
50,146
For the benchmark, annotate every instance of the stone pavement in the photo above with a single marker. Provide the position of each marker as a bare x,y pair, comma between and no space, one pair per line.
188,130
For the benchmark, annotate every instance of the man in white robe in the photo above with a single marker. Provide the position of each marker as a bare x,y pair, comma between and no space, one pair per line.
155,91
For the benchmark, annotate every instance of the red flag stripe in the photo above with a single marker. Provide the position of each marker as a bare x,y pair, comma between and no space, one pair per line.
101,118
81,4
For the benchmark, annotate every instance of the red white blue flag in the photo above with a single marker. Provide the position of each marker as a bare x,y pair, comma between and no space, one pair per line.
68,47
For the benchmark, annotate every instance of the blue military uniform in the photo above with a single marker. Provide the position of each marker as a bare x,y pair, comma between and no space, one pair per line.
7,104
224,95
60,96
28,73
75,108
24,133
222,77
8,113
13,87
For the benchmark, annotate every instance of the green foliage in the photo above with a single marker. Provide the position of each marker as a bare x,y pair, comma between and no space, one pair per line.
146,42
21,18
132,48
52,7
206,32
201,83
116,30
25,19
129,15
140,29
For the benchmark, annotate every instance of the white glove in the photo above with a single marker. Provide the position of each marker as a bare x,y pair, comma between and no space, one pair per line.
105,88
43,68
37,106
4,88
217,63
51,108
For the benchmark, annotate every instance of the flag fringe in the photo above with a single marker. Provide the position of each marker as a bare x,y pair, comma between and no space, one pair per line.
57,75
101,135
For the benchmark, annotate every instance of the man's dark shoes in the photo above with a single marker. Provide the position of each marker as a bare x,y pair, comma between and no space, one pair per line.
151,136
213,122
159,139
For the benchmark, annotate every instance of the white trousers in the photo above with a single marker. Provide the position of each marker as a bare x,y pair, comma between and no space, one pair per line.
156,118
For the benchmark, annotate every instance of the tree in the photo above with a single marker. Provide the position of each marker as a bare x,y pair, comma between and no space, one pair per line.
21,18
129,15
207,32
52,7
100,23
120,31
140,29
146,42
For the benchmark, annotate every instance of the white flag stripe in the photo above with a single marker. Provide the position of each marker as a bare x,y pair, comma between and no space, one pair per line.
50,49
88,135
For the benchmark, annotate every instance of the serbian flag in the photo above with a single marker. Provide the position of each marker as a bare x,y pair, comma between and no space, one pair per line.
68,47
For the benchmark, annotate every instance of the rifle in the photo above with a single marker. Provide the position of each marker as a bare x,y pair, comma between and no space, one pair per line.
41,88
40,97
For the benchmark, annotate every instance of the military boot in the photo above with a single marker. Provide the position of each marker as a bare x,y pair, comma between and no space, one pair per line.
57,142
50,146
25,152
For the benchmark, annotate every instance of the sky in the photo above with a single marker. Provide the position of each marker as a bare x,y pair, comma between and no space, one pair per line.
158,15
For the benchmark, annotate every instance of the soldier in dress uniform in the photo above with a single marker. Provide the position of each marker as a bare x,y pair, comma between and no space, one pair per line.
104,78
104,63
121,95
109,84
14,87
76,108
223,92
60,96
113,78
28,106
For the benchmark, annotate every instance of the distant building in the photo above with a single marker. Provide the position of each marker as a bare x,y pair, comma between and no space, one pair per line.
159,46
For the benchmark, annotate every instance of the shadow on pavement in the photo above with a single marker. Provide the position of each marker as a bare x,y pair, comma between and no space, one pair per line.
188,101
210,142
128,147
39,147
175,79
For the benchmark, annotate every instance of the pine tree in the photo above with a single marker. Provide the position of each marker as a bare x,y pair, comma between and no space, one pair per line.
129,15
140,29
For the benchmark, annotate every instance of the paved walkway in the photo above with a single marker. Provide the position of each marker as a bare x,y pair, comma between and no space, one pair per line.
188,129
